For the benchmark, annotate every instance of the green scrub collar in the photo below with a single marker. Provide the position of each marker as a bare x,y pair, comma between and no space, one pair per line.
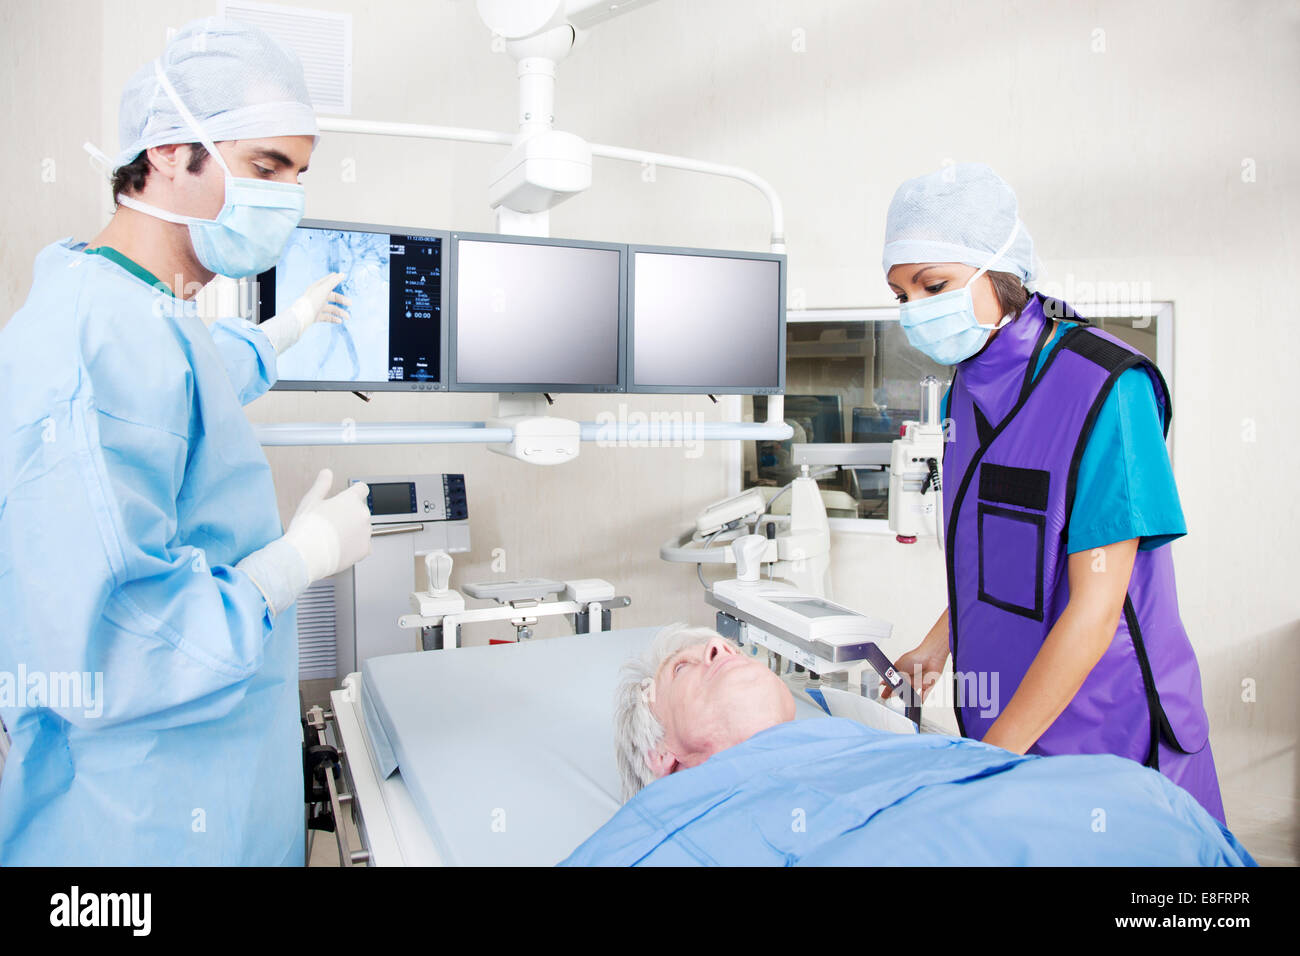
137,270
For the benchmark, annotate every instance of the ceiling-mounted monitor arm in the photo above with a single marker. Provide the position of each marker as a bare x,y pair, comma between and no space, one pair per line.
461,134
546,166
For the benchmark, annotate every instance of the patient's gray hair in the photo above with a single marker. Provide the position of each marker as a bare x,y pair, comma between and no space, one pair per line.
637,732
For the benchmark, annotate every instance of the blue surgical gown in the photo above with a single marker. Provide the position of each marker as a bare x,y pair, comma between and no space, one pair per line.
156,720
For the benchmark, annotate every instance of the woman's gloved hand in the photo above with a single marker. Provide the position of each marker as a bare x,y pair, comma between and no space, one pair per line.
320,303
325,536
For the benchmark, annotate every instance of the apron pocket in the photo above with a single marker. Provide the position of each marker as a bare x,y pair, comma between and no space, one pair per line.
1011,560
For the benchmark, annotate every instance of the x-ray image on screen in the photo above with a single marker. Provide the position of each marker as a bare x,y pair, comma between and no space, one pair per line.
393,330
352,351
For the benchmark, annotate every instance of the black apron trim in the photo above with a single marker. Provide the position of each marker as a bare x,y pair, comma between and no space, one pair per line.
1043,338
1160,726
982,427
1154,711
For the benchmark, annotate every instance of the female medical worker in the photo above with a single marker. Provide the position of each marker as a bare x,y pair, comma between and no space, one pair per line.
148,658
1062,617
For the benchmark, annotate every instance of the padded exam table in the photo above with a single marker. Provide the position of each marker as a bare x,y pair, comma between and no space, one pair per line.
487,756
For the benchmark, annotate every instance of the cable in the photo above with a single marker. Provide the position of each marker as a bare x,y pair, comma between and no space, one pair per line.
936,484
699,567
938,519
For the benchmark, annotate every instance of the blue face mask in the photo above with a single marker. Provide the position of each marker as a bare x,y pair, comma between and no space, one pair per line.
944,326
254,223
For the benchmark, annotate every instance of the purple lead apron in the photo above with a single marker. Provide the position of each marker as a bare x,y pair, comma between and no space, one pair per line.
1010,490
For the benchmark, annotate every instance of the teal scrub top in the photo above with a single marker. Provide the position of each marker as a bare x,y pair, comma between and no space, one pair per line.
1126,485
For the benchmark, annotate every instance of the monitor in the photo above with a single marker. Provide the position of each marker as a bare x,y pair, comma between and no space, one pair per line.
704,321
394,339
536,315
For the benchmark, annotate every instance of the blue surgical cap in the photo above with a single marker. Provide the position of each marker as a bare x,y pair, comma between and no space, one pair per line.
961,213
237,81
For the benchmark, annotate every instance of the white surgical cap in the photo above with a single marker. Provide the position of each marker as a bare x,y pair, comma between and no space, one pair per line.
961,213
237,81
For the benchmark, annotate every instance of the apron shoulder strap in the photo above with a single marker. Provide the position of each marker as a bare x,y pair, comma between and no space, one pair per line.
1086,343
1114,357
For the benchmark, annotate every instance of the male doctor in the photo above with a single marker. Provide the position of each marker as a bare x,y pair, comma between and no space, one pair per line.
149,639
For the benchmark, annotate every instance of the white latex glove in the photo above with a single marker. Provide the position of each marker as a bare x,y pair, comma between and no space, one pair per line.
320,303
325,536
331,534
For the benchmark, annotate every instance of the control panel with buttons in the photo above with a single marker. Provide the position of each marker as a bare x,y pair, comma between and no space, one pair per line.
416,498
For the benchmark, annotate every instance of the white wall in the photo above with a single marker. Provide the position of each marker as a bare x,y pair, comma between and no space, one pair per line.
1124,129
50,190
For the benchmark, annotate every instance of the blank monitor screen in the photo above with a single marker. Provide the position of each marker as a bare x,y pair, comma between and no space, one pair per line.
392,338
706,323
534,316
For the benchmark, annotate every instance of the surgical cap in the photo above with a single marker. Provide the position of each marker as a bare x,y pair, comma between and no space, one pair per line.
237,81
961,213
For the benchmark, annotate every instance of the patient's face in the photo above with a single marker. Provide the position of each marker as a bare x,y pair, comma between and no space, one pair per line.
709,697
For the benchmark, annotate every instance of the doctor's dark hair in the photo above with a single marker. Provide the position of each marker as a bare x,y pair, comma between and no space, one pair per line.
1011,293
130,179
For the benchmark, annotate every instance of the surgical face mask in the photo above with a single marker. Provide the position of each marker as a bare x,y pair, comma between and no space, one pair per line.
254,223
944,326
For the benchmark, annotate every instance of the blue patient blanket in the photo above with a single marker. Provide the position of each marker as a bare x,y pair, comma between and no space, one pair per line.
833,792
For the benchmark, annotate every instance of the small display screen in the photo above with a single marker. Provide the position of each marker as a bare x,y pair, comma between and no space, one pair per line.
393,498
812,608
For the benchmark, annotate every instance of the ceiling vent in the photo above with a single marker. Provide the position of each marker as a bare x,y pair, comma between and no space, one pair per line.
322,40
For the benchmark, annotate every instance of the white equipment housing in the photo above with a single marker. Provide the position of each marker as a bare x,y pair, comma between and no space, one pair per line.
400,546
541,171
440,612
915,470
539,439
808,630
544,166
746,505
799,552
816,633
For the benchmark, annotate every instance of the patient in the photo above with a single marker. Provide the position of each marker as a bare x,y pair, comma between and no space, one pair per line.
715,770
692,696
